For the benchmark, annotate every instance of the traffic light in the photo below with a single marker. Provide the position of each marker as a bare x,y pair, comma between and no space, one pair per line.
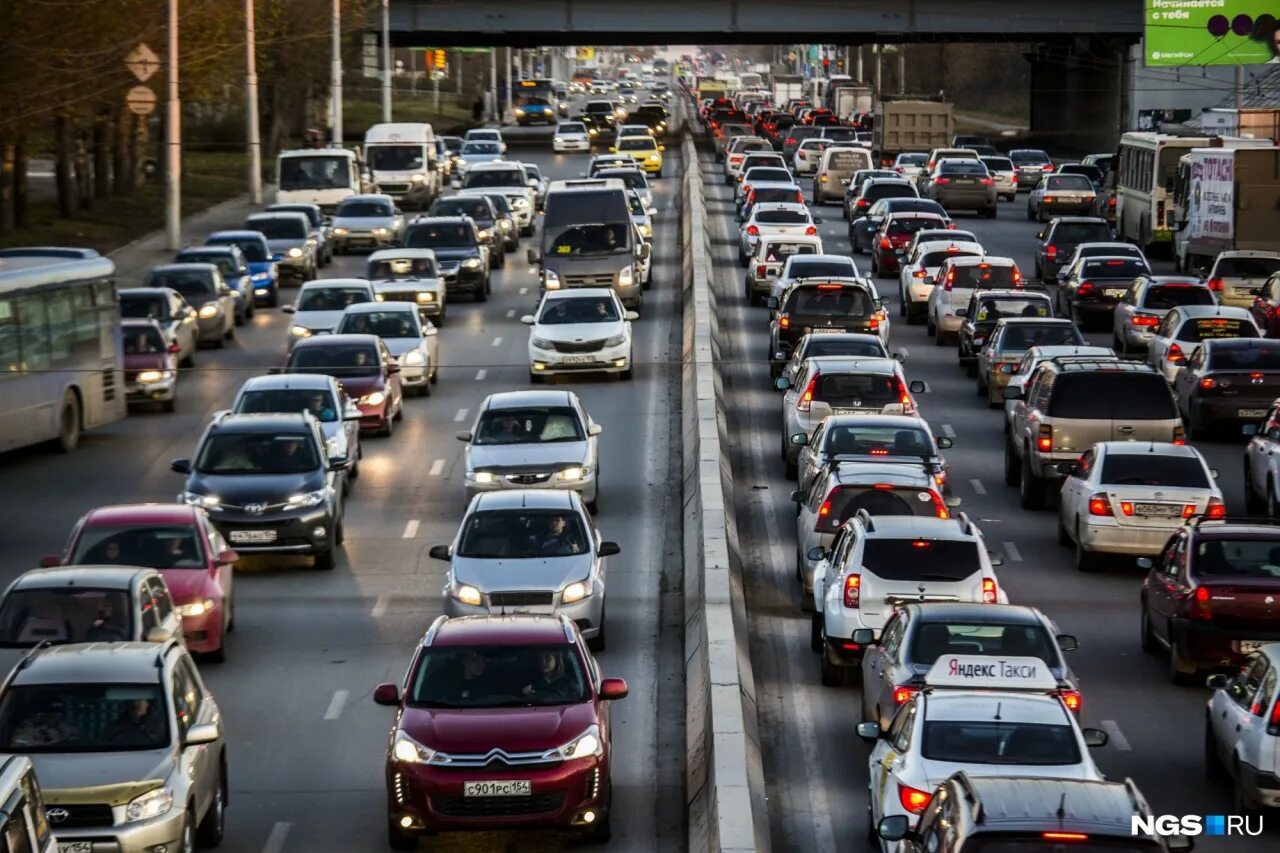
438,59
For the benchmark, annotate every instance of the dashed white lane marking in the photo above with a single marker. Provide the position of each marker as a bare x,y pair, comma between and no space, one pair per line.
511,312
497,342
481,374
522,291
436,468
948,430
1012,551
380,606
275,841
411,527
978,487
460,416
1118,740
336,704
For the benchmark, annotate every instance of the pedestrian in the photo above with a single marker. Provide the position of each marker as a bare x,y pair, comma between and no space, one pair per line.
477,108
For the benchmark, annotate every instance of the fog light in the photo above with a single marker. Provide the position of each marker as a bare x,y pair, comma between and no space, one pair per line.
318,532
260,291
406,821
619,362
537,365
588,817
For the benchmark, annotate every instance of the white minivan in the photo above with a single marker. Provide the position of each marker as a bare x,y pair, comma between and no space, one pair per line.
402,159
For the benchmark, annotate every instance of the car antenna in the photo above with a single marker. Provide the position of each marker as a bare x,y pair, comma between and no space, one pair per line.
999,705
1062,806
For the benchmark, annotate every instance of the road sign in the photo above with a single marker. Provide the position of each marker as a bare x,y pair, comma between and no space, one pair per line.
143,62
141,100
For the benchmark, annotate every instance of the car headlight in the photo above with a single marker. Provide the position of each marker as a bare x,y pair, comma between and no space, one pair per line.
414,356
592,132
626,278
519,111
295,252
333,445
550,280
617,340
486,234
148,377
426,296
655,158
409,751
417,179
485,477
197,608
540,343
520,203
505,224
300,331
208,311
471,263
150,805
378,297
381,232
576,591
586,744
196,499
575,472
340,232
375,398
466,594
306,499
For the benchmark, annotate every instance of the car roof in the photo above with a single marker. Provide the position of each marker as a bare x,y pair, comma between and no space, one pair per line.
373,307
896,421
578,292
1034,803
864,337
382,196
267,215
523,499
145,513
85,576
1243,343
824,257
854,364
1230,528
287,381
515,629
146,291
918,527
351,339
495,166
979,260
184,267
139,323
205,250
1060,350
1062,220
529,397
238,234
262,421
1028,321
941,245
982,614
973,705
384,254
1140,448
1193,312
94,663
1006,293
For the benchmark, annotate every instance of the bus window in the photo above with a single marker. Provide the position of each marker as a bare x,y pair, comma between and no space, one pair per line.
33,331
86,321
61,327
10,350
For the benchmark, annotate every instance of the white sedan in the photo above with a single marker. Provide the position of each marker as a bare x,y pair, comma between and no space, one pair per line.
916,278
774,219
581,330
571,136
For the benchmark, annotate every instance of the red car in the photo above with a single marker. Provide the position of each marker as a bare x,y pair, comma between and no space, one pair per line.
150,364
889,243
1212,597
364,367
183,545
1266,308
503,722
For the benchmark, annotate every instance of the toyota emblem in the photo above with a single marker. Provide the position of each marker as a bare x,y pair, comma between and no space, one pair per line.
255,509
57,814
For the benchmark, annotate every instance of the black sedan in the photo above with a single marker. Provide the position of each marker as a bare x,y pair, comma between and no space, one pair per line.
1228,382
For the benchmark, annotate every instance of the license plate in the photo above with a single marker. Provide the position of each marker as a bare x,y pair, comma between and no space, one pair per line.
809,329
964,182
75,847
578,359
1116,292
1248,646
250,537
844,181
498,788
855,412
1252,413
1158,510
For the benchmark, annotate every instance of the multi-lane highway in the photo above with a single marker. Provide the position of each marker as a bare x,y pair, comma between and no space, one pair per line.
815,767
306,742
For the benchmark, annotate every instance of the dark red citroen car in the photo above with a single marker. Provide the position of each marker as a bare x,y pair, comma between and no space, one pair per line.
502,722
365,369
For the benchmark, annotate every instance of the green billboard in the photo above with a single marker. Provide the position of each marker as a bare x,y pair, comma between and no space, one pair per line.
1211,32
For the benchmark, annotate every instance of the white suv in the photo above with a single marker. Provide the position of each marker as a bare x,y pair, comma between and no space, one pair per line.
877,563
1242,730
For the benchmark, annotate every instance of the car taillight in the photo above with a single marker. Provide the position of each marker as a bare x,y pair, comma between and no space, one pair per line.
753,231
873,324
802,155
904,397
1215,509
806,399
1072,699
886,243
1145,320
1051,251
790,140
1215,284
1111,202
900,170
950,280
1064,836
761,270
811,230
1048,199
942,181
784,321
1179,435
884,162
919,274
862,202
1200,604
799,197
1208,383
1084,288
1175,354
1044,440
1100,504
1048,167
990,594
913,800
902,695
939,506
1273,724
986,182
852,591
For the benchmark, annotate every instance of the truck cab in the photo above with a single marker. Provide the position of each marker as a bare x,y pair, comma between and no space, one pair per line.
402,159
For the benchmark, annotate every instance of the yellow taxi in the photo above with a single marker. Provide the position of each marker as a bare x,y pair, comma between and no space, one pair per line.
645,150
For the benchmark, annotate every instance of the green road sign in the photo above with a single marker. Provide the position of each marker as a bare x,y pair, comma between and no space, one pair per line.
1211,32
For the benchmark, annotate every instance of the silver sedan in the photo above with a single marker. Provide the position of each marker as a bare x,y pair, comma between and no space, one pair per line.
774,220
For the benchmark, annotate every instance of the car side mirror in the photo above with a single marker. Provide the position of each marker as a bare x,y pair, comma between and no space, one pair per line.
929,279
1068,642
917,386
1146,563
225,290
962,312
532,256
1067,468
158,635
816,553
351,413
944,443
226,557
613,149
893,828
440,552
608,549
642,251
817,220
1010,393
463,435
662,148
528,319
782,383
952,503
1094,738
387,694
995,558
800,439
180,466
174,348
201,734
1006,369
613,688
339,463
864,637
595,429
1218,682
771,301
632,315
870,732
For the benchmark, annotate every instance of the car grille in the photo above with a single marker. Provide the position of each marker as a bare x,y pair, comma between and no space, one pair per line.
399,296
589,280
94,814
450,269
578,346
527,479
521,599
534,804
130,377
393,188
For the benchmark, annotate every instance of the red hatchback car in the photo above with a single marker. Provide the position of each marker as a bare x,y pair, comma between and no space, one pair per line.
502,723
364,367
183,545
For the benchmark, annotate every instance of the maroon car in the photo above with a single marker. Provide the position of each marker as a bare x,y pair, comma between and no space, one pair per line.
502,723
365,369
1212,597
889,243
1266,308
150,364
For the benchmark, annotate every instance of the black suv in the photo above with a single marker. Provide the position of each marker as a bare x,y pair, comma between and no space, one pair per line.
268,485
463,259
1061,236
820,305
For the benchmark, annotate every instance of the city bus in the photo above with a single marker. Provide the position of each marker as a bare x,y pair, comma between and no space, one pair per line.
61,361
1146,169
540,89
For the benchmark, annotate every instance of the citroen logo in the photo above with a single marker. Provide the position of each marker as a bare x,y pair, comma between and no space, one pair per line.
56,814
255,509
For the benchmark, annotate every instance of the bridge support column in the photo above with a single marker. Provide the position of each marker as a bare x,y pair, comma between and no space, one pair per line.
1079,94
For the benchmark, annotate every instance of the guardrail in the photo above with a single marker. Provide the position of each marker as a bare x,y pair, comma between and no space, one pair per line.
724,778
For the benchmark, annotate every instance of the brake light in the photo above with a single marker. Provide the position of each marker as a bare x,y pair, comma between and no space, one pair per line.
1145,320
951,279
1179,435
1048,199
1017,277
942,181
1215,509
1048,167
919,274
1051,251
886,243
1200,604
802,155
862,202
761,270
1072,699
825,509
986,182
900,170
1100,505
1188,510
1208,383
1175,354
990,594
939,506
913,799
811,230
1044,441
1064,836
753,231
802,405
852,591
1273,724
1111,202
790,140
784,321
1215,284
799,197
1085,288
1126,507
902,695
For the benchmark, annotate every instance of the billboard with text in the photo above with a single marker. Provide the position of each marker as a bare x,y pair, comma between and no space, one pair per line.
1211,32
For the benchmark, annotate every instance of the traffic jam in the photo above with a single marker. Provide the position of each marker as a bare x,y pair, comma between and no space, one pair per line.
1105,371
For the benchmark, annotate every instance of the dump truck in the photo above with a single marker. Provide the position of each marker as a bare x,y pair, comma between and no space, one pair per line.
910,124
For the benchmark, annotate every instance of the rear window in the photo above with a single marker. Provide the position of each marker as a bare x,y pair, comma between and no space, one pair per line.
830,301
759,175
1029,157
857,440
909,226
912,159
1069,182
775,194
875,192
781,251
1113,268
932,640
1172,295
1208,328
819,269
865,390
923,559
845,345
1247,267
983,275
1136,469
1244,358
936,259
572,127
1112,395
1082,232
998,164
1245,558
1024,336
997,742
781,217
967,168
892,500
1013,843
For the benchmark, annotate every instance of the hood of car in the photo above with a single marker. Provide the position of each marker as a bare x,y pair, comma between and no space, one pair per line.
480,730
512,458
147,361
578,332
363,222
317,320
240,489
186,585
100,777
456,253
550,574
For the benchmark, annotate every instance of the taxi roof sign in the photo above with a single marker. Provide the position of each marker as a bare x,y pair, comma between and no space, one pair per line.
991,672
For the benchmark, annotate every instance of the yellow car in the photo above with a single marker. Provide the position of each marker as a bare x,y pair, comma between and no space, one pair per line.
645,150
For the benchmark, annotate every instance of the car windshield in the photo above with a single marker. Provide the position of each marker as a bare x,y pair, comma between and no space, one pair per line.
1068,182
1115,395
225,264
314,172
1163,296
845,345
165,546
584,309
494,178
51,718
254,250
859,440
529,425
572,127
332,298
454,235
143,341
1243,558
1244,357
999,742
1246,267
1082,232
393,157
257,453
384,324
1208,328
337,361
144,307
364,209
932,640
65,615
830,300
279,228
401,269
512,676
1136,469
1112,268
945,560
319,402
995,309
523,534
583,240
192,285
477,208
646,144
781,217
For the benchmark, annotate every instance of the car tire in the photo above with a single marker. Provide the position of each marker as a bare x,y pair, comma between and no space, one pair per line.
273,301
593,505
1085,561
1177,674
1241,804
1214,769
979,390
792,470
218,655
1064,538
388,428
815,632
69,423
537,378
214,823
993,211
1030,487
328,558
1011,465
168,405
930,329
600,641
831,675
187,836
397,838
1147,640
971,369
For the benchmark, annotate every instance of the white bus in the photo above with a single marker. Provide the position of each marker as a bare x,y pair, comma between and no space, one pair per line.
1146,169
61,361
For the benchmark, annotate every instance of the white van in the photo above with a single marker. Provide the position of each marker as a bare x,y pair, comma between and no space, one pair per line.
402,159
323,176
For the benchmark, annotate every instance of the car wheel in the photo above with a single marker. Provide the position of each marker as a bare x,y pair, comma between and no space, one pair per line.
593,505
1241,804
1030,215
328,558
1064,538
979,389
1178,673
832,675
929,328
214,824
1030,487
273,301
1148,638
481,293
815,632
69,423
1273,506
397,838
1011,466
971,369
353,473
1214,770
168,405
388,427
218,655
424,390
902,305
792,469
992,211
1085,561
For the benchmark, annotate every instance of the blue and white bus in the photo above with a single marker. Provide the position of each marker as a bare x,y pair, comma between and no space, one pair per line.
61,362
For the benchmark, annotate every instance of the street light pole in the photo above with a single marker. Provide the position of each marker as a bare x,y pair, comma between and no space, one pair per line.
386,63
173,151
493,86
335,75
251,105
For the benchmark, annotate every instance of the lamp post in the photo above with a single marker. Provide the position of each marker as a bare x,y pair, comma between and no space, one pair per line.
173,150
386,63
251,105
335,74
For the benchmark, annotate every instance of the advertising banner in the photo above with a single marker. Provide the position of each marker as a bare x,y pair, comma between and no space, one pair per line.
1210,32
1212,205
